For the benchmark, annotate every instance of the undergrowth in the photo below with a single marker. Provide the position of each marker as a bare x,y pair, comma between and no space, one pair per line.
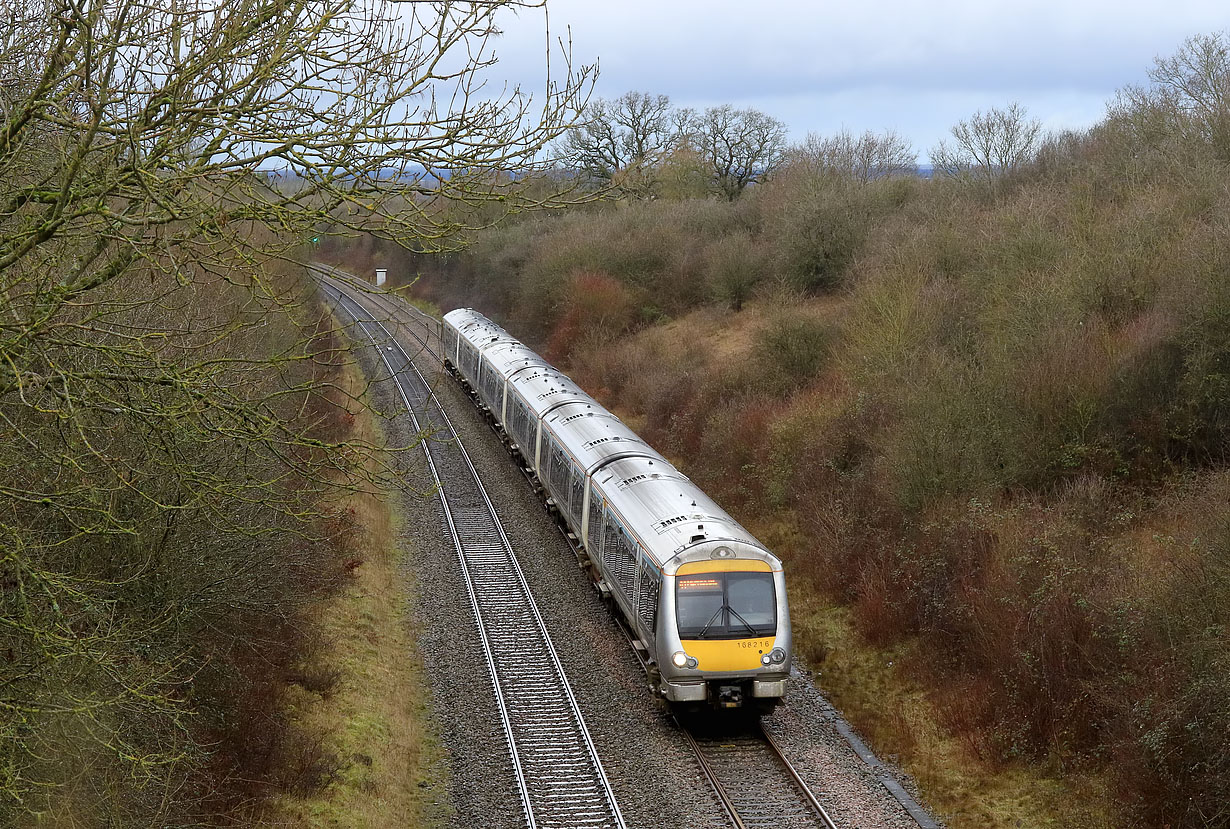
1000,420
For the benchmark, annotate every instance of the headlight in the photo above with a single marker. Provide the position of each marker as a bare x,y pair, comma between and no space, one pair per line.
777,655
680,659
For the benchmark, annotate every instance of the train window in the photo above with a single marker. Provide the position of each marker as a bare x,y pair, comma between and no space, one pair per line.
490,387
698,604
558,473
593,539
527,432
610,543
619,556
578,496
725,605
749,600
520,424
625,564
651,585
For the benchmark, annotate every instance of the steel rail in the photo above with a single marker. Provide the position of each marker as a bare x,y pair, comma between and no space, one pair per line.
448,517
803,787
728,803
387,299
506,704
754,762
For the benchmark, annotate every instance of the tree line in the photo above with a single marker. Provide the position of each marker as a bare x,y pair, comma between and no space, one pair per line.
640,146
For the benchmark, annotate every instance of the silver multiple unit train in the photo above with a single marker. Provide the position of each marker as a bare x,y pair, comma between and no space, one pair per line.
705,600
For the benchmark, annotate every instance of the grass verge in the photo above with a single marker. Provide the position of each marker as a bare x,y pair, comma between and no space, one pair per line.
871,686
365,692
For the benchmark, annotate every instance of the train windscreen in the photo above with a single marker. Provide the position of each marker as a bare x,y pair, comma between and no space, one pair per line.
725,605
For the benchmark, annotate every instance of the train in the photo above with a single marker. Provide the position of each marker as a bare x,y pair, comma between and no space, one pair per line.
704,600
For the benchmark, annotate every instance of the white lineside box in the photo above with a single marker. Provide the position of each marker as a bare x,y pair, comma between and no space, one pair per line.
381,275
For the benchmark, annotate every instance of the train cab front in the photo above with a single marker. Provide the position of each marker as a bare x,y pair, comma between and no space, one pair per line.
727,641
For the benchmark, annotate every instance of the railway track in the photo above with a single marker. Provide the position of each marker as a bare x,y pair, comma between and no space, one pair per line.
422,328
558,772
756,784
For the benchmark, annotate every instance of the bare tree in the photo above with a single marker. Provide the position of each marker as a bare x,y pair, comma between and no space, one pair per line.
740,146
1189,99
988,145
862,159
161,464
621,143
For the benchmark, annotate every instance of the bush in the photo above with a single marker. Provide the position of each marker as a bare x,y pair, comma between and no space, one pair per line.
158,594
792,348
817,241
734,268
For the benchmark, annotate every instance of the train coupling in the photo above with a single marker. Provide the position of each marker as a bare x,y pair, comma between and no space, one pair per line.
730,696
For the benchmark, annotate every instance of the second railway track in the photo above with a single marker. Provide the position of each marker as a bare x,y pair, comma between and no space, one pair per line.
557,768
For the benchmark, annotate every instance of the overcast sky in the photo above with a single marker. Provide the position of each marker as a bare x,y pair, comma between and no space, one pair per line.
914,67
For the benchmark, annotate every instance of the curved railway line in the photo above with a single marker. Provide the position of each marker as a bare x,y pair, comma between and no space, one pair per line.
558,771
745,766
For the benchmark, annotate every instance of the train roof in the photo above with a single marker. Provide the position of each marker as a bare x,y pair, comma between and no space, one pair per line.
673,519
481,332
511,356
545,387
668,512
459,317
593,436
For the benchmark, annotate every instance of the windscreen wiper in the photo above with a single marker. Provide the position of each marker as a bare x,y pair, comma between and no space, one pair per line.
735,613
709,623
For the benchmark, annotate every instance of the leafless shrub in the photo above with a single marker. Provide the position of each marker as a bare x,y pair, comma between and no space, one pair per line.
988,146
862,159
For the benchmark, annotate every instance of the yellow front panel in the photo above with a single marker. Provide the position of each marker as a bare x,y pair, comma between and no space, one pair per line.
728,654
725,565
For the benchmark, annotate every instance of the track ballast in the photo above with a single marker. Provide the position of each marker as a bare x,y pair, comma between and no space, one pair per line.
559,774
